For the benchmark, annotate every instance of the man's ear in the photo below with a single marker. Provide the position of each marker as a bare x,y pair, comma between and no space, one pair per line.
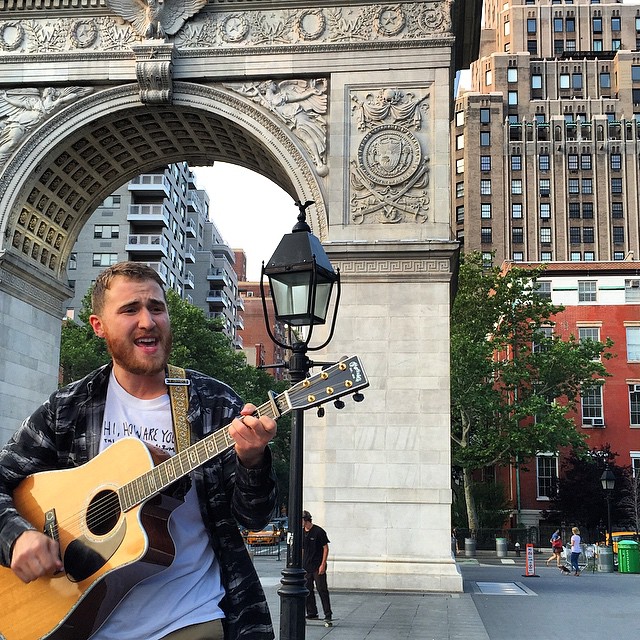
96,325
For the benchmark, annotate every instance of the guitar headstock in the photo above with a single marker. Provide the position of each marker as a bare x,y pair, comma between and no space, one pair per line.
340,379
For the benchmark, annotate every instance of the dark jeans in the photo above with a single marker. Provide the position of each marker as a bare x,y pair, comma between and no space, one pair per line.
574,561
320,580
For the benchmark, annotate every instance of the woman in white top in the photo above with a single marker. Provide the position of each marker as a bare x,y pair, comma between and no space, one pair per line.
575,550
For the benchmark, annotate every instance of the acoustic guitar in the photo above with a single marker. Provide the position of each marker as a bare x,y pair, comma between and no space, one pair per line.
110,517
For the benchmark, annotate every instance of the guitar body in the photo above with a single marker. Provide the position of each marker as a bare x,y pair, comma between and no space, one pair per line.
105,552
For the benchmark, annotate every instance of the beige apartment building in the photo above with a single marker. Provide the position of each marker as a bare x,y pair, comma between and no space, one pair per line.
546,143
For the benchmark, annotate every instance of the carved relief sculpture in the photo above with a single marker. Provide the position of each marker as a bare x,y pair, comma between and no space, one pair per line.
21,110
301,105
390,174
156,18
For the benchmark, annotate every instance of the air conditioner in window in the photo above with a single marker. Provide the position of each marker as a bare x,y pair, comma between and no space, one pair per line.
634,284
593,422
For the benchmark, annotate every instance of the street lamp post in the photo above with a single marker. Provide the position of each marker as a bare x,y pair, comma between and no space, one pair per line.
301,280
608,481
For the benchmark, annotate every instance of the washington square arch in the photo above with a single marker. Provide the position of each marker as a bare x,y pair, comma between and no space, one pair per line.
343,103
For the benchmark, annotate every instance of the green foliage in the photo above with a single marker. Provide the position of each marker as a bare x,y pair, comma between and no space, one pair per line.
510,400
198,343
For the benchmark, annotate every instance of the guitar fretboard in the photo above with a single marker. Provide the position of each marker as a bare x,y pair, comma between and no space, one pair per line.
160,477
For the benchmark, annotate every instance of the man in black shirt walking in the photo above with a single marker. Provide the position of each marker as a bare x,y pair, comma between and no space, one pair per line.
315,550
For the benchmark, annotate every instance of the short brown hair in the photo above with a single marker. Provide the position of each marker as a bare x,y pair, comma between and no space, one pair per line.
132,270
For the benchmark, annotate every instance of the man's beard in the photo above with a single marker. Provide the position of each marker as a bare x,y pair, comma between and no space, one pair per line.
125,355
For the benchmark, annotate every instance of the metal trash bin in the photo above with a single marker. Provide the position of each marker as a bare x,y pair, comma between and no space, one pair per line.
501,547
470,547
605,559
628,556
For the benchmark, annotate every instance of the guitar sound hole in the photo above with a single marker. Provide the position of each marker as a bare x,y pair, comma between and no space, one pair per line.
103,512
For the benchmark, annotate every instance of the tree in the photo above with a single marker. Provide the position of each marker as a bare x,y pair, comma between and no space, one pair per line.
512,383
198,343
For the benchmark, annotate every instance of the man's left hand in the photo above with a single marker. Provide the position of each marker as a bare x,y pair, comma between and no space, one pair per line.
251,436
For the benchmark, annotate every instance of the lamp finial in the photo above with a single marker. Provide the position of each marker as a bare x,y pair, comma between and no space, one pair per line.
302,225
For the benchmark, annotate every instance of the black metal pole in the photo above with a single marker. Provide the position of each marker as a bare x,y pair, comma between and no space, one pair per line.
293,591
609,519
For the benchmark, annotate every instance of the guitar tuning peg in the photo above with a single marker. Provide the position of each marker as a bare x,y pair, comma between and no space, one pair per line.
358,397
320,412
338,404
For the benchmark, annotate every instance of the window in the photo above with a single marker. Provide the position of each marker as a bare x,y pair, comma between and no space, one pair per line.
616,210
547,475
570,44
615,23
485,187
543,162
618,235
460,213
572,162
104,259
545,256
516,210
485,139
517,256
517,235
459,118
558,47
618,255
536,81
532,47
585,162
587,235
597,25
487,259
459,189
485,211
616,44
575,235
485,163
545,186
488,77
532,25
460,141
587,186
485,235
633,344
545,210
574,210
591,400
460,165
589,333
512,75
516,186
616,162
589,256
576,81
106,231
570,25
576,256
558,25
111,202
605,80
485,116
634,411
587,290
573,185
543,290
587,210
516,163
545,235
73,261
564,80
635,72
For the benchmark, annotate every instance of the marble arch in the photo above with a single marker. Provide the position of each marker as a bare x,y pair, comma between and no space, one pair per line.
342,102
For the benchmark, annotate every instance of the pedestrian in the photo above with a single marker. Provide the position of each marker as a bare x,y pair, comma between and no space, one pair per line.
210,590
556,549
576,550
454,542
315,551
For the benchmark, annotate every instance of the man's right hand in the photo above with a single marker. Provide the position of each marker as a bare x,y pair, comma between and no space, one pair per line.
35,555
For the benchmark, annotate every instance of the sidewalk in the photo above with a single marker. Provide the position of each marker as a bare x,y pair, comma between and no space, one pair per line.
499,603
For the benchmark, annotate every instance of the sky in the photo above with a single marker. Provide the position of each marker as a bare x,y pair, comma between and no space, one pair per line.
250,211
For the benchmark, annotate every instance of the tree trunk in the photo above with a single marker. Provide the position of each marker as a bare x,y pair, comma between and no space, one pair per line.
472,514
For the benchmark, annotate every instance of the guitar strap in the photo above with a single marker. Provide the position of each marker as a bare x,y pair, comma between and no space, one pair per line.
178,384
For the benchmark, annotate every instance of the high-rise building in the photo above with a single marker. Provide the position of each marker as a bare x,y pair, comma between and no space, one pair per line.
546,143
162,219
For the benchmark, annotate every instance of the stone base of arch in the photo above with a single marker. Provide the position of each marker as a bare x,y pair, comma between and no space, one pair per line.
377,475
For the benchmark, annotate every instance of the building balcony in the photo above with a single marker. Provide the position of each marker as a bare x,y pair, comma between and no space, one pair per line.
189,280
161,268
239,323
192,231
190,254
217,298
151,184
139,243
148,215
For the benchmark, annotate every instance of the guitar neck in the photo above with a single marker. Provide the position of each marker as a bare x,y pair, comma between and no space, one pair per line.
184,462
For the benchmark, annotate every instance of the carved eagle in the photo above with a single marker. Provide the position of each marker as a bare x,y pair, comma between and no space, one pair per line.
156,18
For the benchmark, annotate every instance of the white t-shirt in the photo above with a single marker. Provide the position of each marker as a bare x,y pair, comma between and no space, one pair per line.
190,589
575,543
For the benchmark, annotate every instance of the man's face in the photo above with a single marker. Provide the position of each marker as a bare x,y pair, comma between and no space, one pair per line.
135,325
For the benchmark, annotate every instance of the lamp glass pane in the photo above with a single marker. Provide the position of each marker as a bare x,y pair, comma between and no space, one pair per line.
323,293
291,294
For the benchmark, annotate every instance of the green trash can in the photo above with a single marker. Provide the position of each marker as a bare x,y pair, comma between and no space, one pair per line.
628,556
